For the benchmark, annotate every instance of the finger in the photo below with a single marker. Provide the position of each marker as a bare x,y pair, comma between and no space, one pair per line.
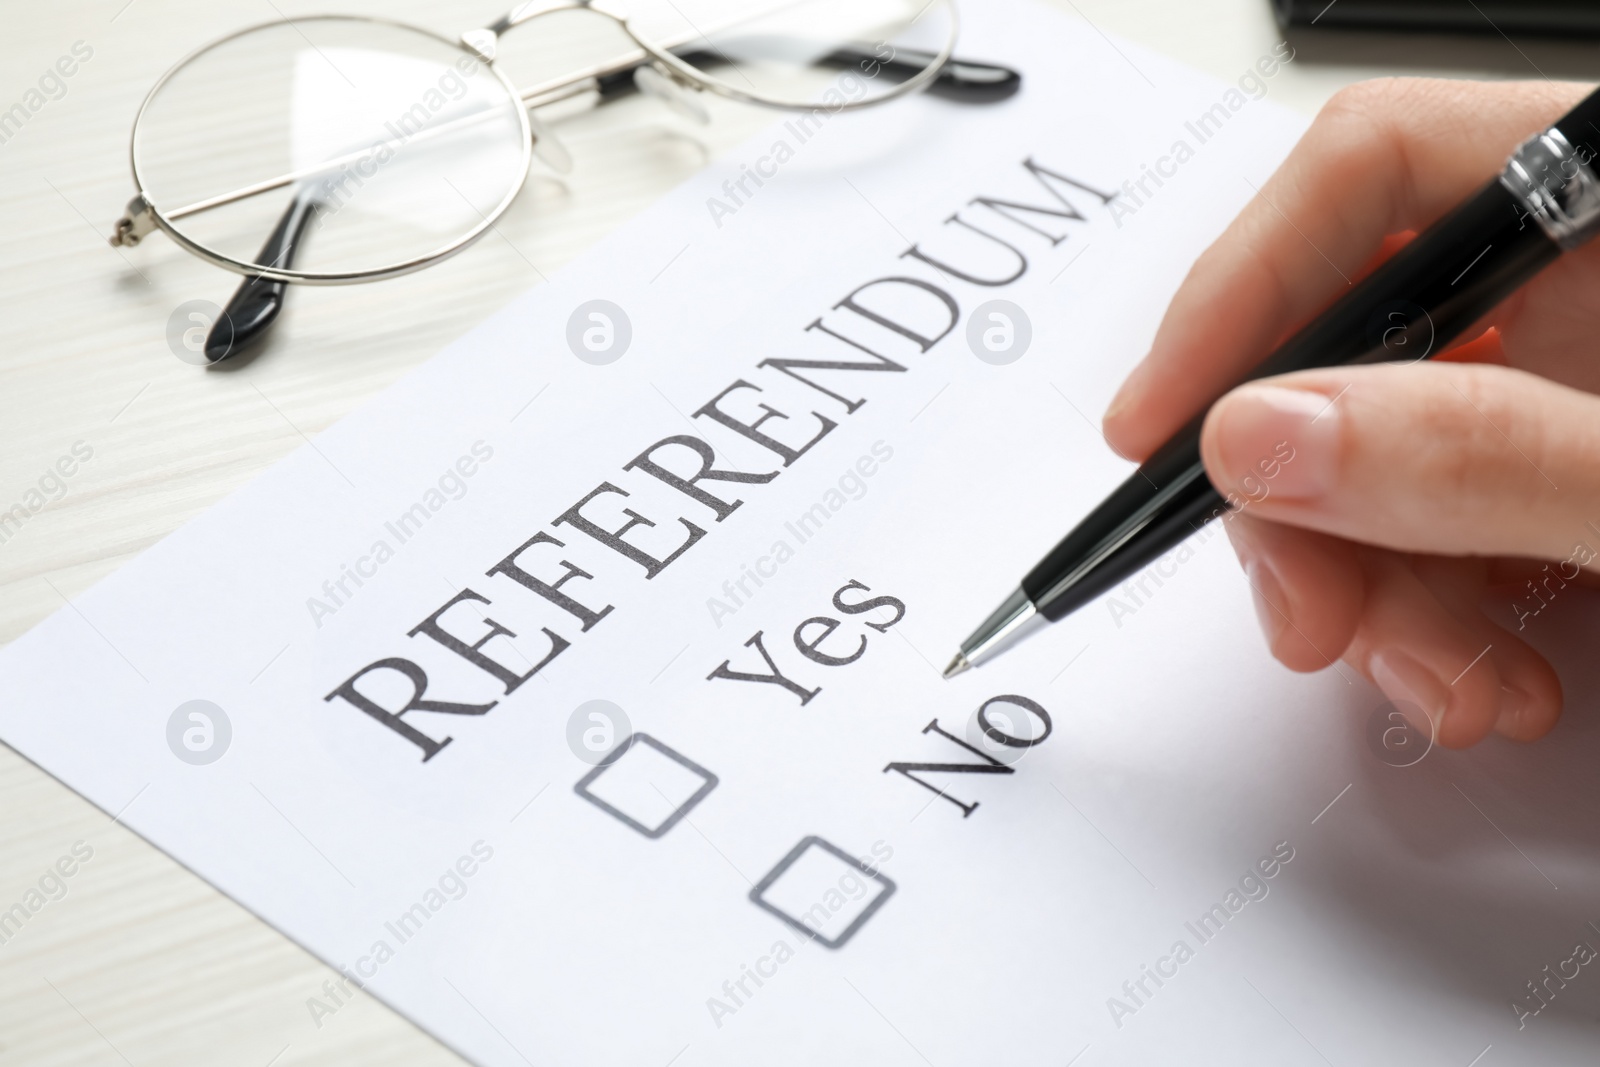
1382,156
1529,583
1445,459
1421,656
1530,692
1531,697
1307,589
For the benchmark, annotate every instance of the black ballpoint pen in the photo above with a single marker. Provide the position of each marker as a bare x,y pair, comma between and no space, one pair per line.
1545,202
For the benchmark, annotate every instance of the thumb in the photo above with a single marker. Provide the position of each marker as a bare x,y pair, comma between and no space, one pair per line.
1446,459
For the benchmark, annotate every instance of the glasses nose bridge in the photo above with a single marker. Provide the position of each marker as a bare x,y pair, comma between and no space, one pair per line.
485,42
532,9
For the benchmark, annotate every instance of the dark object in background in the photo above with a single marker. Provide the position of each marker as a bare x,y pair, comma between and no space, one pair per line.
1556,17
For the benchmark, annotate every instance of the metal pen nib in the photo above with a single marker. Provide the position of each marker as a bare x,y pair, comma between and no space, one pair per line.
1009,622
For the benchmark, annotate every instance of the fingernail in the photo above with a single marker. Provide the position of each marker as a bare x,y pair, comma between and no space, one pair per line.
1124,399
1407,682
1108,421
1512,701
1267,595
1118,403
1278,442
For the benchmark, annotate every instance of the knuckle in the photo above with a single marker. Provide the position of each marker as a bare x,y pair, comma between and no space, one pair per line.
1359,137
1353,100
1381,99
1362,103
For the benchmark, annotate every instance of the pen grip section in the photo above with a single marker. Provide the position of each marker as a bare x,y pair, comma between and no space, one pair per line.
1150,513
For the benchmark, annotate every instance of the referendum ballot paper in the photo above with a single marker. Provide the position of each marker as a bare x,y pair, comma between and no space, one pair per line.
580,696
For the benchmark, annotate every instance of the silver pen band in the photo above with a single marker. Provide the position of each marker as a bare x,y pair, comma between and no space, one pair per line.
1556,185
1007,624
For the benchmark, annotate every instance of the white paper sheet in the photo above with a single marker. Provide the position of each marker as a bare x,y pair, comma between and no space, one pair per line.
1367,913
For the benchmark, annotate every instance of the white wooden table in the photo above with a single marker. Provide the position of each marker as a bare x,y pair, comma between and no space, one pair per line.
140,962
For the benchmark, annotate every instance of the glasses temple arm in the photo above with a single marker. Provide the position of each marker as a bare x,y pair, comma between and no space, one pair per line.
962,80
959,79
255,305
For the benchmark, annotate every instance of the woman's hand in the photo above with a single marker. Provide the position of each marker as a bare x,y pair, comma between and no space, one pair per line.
1411,490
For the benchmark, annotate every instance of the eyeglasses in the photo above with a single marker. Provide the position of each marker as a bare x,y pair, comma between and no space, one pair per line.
397,147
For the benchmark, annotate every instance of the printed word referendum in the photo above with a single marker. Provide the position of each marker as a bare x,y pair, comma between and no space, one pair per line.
658,503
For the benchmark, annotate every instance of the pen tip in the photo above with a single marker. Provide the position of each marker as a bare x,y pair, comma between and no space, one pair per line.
957,665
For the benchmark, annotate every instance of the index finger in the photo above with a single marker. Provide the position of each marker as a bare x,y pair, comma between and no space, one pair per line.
1382,156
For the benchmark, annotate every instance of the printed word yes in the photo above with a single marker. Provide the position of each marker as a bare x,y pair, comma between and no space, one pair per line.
809,637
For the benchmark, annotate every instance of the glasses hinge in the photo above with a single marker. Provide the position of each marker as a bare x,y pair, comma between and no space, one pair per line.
136,222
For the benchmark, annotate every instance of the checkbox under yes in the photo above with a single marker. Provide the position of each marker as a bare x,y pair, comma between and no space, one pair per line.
646,784
822,891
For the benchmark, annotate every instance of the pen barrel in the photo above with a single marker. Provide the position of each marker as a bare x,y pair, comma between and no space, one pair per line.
1429,292
1151,513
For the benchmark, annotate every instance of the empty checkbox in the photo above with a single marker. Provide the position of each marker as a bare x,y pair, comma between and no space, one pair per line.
646,784
822,891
